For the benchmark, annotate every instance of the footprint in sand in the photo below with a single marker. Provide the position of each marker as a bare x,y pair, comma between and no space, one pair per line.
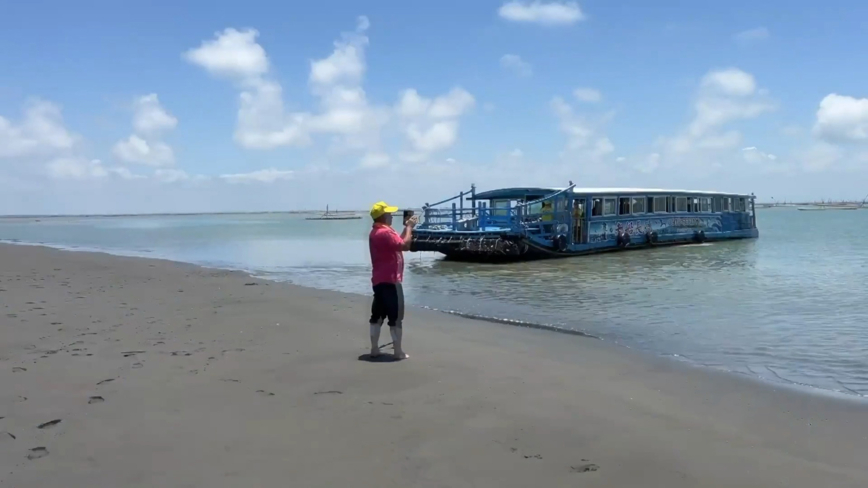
37,452
5,436
49,424
137,365
330,392
18,369
584,468
105,381
95,399
265,393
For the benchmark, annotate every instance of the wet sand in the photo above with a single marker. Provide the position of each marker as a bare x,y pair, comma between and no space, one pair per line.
132,372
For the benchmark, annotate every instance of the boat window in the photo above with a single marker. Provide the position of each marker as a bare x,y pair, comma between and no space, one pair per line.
742,205
681,204
727,205
596,207
610,206
624,206
670,204
639,205
660,205
717,204
500,208
705,204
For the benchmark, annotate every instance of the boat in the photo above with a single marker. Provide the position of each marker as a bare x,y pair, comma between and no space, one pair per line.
829,207
334,216
527,223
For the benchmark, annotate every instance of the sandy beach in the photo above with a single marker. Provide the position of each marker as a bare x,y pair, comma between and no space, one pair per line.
133,372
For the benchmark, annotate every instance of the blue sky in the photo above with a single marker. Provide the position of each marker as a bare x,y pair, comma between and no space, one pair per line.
112,108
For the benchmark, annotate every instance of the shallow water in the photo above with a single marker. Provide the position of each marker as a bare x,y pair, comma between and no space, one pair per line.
791,306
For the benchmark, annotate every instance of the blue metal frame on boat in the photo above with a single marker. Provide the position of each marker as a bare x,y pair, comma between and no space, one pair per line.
514,224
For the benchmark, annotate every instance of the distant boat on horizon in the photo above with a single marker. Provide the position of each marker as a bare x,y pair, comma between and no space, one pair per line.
828,207
334,216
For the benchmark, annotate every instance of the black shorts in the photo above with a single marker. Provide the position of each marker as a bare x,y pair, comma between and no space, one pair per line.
388,304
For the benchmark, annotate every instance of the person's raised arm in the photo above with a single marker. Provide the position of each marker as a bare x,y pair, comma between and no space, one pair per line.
407,234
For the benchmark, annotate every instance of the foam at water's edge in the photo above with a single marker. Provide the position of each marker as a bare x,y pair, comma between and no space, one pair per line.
778,380
517,323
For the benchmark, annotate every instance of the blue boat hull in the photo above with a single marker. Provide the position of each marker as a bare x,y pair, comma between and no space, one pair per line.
505,248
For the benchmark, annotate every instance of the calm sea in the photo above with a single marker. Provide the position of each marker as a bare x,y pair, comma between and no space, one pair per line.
789,307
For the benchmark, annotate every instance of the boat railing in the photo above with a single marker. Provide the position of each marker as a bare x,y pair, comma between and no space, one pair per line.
455,216
528,217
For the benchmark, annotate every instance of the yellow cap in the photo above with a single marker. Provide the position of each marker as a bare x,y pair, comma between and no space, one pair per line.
381,208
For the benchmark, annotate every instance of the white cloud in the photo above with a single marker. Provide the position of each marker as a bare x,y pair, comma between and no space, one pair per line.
842,118
724,96
76,168
40,145
41,132
144,146
755,156
136,150
588,95
335,80
730,82
344,113
709,141
752,35
514,63
125,174
346,63
375,160
516,153
150,116
543,13
269,175
584,138
231,53
578,131
431,125
171,175
262,121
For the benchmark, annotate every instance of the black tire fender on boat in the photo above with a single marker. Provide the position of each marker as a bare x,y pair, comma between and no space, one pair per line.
560,242
699,236
651,237
623,239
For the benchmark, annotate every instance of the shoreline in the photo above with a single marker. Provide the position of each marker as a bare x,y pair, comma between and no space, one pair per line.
675,358
144,372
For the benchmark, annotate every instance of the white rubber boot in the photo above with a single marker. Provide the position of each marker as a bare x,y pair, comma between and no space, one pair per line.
396,342
375,339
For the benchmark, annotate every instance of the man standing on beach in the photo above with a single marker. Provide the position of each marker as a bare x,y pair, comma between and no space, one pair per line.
387,259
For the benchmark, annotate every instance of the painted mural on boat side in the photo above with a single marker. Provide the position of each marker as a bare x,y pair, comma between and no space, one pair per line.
608,231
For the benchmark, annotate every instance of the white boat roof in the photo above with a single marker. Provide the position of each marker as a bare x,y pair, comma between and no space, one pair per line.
541,191
622,191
